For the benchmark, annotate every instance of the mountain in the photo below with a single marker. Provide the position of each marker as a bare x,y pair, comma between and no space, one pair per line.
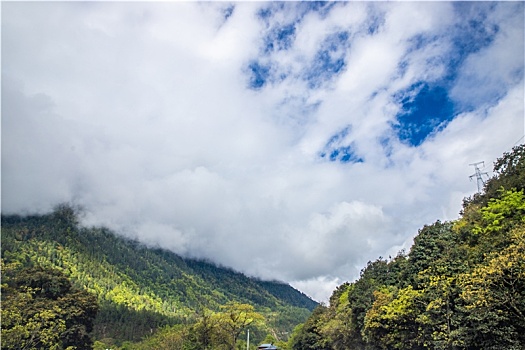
140,289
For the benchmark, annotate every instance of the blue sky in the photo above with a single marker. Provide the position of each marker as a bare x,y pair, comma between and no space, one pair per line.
288,140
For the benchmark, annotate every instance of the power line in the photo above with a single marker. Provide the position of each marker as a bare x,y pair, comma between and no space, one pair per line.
521,138
479,175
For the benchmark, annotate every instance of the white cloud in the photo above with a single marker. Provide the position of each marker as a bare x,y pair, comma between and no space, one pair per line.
142,113
319,288
487,74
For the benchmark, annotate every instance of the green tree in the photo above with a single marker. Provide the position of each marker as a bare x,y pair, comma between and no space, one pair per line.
494,294
337,325
509,172
392,321
166,338
501,214
202,332
441,319
434,243
41,310
309,335
233,320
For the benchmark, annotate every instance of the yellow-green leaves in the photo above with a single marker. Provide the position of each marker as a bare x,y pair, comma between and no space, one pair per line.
40,310
392,321
502,213
233,320
500,282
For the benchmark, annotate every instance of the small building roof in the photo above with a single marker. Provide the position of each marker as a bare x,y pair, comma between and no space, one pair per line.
267,347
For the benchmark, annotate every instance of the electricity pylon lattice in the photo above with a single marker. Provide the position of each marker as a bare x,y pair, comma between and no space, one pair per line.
479,175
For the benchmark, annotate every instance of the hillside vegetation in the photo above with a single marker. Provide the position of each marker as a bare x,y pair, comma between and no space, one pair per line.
138,290
461,285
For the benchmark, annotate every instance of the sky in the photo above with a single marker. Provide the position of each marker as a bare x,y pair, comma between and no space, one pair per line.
292,141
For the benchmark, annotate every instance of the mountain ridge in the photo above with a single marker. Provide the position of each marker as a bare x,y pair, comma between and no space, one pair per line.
134,282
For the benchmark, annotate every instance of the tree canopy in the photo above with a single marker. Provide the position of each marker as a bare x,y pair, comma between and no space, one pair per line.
42,310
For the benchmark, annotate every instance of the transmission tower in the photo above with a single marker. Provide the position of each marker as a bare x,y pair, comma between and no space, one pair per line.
479,175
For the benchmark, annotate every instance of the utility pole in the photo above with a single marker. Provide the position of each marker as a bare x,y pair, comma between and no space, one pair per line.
479,175
248,341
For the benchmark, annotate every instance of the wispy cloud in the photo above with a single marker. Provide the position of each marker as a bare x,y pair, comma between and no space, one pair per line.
288,140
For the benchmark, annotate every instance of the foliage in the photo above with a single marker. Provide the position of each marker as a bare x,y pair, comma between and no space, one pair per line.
394,309
232,321
166,338
494,295
501,214
212,330
337,327
510,172
40,309
309,336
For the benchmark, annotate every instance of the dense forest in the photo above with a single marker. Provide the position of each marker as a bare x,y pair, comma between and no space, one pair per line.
136,291
461,285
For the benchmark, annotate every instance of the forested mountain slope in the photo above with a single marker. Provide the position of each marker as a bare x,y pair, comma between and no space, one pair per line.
140,289
461,286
